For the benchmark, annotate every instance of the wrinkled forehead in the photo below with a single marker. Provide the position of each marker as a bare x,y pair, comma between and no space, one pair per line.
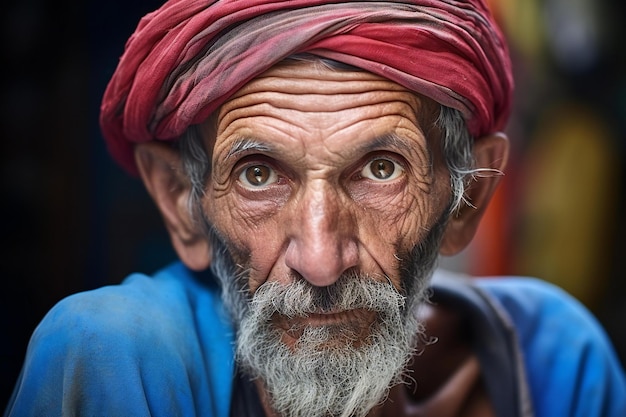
323,85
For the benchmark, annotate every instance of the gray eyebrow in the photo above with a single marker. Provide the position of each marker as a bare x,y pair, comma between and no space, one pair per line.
388,140
245,144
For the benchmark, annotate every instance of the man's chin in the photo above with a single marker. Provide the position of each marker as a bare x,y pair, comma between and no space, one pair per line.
326,370
333,377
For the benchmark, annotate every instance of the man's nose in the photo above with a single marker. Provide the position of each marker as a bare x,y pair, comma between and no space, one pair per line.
322,237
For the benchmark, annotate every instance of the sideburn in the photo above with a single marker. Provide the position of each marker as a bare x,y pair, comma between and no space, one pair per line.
418,264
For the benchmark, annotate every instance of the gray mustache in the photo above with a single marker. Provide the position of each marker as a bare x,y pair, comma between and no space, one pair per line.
351,291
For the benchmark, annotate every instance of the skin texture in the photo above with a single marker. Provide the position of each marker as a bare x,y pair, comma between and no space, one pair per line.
322,211
316,172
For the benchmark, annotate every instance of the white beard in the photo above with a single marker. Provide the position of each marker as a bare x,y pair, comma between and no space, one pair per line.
326,373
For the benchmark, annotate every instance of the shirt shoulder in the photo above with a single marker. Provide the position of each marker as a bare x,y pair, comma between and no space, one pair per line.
570,363
152,345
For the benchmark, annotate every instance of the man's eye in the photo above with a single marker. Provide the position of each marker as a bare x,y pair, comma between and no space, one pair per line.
382,169
257,176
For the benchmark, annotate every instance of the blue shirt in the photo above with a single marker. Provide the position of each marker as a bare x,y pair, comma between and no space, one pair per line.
163,346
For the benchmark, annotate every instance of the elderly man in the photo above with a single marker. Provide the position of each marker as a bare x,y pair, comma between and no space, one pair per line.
311,159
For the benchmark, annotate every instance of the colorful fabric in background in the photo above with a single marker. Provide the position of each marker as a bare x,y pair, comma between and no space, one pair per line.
556,214
188,57
569,202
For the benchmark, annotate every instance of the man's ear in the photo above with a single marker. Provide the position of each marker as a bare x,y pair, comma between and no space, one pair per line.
491,155
161,171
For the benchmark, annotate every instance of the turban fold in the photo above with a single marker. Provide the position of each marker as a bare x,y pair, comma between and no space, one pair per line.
188,57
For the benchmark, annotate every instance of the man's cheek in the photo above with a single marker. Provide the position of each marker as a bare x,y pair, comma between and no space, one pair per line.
231,218
255,250
399,224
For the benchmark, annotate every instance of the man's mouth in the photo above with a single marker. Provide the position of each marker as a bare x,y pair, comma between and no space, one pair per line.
331,318
339,318
348,326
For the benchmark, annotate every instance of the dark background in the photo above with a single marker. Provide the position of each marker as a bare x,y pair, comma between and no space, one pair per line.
73,221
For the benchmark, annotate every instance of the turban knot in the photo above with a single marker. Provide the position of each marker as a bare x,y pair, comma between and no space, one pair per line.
188,57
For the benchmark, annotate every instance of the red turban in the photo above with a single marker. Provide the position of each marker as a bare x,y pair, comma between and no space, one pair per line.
189,56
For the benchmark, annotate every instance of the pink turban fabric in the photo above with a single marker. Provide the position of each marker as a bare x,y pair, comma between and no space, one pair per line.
189,56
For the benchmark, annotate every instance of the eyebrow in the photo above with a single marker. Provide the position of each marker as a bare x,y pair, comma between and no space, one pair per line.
246,144
386,141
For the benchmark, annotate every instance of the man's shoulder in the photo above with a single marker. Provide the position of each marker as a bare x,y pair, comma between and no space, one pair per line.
162,296
166,301
529,302
152,342
564,349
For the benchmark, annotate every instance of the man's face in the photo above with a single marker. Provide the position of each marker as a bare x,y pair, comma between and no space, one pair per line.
316,172
331,206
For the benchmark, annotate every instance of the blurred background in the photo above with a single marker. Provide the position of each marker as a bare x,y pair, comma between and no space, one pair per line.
74,221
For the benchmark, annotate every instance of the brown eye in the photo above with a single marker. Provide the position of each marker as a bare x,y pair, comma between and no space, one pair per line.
256,176
382,169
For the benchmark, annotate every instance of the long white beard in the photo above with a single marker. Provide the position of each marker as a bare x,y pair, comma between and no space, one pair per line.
324,375
329,372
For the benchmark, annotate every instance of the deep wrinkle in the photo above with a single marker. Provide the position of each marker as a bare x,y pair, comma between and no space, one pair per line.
328,214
